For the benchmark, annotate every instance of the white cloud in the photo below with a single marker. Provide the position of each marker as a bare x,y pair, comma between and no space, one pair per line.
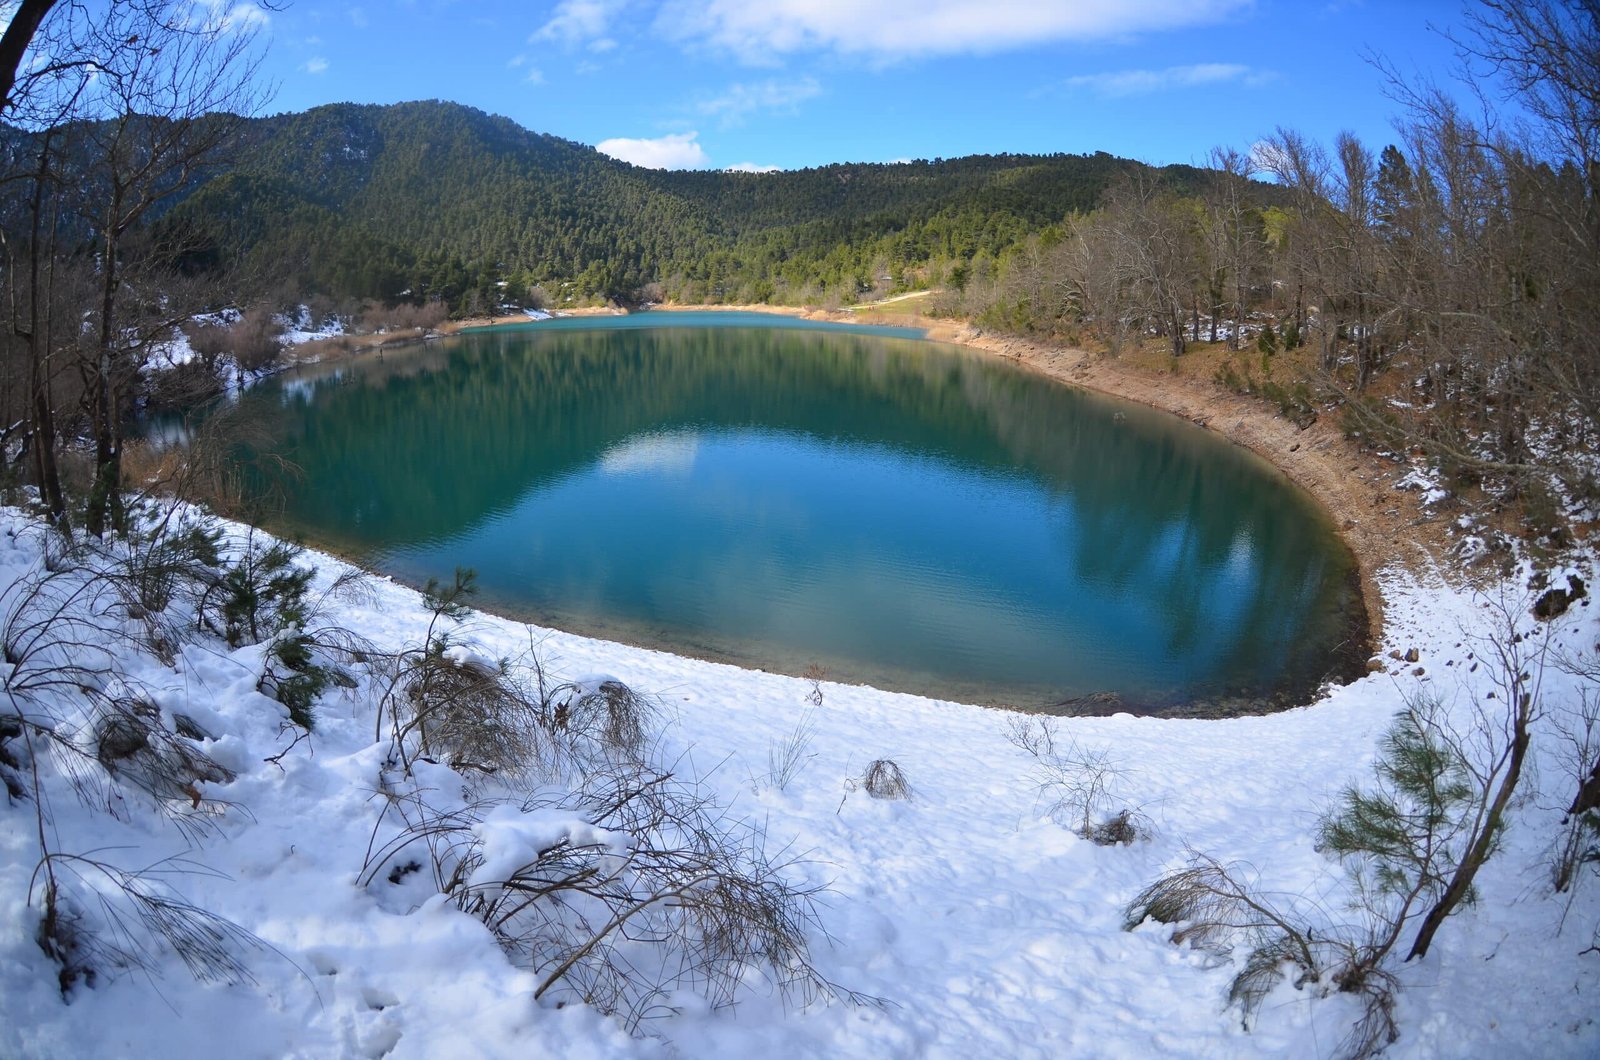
672,453
535,76
891,29
1116,84
673,151
750,167
315,65
740,101
1268,160
576,22
229,17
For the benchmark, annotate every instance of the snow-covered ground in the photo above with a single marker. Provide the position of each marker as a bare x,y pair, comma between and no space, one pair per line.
987,927
303,328
297,331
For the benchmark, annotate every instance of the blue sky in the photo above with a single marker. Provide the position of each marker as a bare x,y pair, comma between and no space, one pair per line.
791,83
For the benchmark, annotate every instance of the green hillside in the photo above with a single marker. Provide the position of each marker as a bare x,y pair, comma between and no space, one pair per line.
436,199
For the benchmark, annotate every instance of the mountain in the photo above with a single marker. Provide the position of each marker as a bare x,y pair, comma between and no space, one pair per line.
437,199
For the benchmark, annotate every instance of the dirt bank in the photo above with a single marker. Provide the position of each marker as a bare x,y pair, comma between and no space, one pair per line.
1382,526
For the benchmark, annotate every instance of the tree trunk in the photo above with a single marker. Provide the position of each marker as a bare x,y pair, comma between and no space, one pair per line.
41,413
104,508
1461,881
14,45
1237,338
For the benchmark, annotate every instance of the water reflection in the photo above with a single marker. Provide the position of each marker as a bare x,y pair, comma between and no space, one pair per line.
900,512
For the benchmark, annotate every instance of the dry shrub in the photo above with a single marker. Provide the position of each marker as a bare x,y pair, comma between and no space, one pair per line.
815,674
162,565
376,317
99,916
425,317
183,386
469,712
1215,908
602,720
134,747
502,716
62,630
788,755
442,699
620,894
884,779
1119,829
11,771
250,342
1079,786
255,340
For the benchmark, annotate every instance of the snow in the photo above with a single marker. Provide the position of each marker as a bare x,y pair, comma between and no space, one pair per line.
513,837
987,927
171,353
1425,481
303,329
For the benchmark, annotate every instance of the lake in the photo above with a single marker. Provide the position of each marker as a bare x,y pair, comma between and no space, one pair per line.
783,494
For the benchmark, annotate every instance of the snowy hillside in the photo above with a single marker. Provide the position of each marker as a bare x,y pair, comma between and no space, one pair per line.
970,919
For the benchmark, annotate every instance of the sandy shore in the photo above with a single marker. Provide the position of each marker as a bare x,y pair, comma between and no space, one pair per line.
1382,526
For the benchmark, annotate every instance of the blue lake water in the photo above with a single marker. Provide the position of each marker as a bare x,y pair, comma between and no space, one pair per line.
783,494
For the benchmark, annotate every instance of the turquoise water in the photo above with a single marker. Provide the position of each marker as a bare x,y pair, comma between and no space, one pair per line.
899,512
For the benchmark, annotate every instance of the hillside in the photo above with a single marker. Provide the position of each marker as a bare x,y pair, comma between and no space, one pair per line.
438,199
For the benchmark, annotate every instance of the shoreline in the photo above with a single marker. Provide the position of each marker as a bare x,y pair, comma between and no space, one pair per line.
1381,525
1377,522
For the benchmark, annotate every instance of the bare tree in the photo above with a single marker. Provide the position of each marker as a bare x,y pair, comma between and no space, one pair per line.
1304,247
1234,239
1356,264
131,80
1155,243
167,97
1493,751
1489,238
1546,55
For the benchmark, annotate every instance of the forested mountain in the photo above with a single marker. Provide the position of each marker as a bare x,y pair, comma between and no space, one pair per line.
437,199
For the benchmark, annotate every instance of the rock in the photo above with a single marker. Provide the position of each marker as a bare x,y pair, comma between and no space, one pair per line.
1098,704
1553,603
133,747
187,727
1412,655
1374,666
